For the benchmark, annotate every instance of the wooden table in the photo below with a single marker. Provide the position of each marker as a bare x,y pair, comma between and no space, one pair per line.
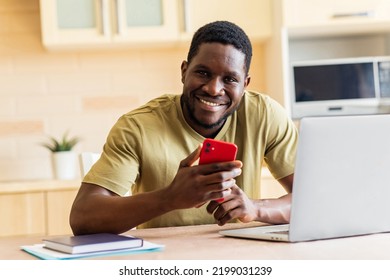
205,243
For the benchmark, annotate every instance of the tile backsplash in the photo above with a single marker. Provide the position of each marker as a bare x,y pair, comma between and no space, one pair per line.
47,93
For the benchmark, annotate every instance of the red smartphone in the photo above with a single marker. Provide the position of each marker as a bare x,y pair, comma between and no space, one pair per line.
217,151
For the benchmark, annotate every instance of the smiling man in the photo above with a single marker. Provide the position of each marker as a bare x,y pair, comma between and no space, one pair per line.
152,151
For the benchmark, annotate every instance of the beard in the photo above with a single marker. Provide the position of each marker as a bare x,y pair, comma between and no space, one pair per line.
190,108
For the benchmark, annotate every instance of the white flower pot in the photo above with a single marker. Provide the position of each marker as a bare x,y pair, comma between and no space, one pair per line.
64,165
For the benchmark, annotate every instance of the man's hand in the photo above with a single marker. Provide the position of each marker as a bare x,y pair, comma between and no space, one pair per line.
237,205
194,185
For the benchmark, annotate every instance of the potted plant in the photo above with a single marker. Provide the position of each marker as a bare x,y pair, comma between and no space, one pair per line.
64,159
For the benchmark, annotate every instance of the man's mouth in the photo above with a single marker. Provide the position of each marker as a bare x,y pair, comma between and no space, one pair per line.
209,103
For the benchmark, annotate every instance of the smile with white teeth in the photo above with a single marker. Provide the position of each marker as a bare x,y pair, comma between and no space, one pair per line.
209,103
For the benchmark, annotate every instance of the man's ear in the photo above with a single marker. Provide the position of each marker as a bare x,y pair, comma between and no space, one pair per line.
184,67
247,81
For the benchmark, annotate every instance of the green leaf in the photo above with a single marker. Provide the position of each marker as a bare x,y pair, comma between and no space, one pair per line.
64,144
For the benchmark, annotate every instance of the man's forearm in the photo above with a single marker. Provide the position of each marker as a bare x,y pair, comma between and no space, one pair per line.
112,213
274,211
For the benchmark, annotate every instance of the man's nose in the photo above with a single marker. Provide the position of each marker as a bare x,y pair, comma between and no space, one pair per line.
214,87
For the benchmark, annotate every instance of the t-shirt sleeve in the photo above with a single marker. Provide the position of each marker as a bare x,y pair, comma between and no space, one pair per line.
118,167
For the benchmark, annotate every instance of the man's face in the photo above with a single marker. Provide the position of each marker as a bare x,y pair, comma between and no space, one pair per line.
213,85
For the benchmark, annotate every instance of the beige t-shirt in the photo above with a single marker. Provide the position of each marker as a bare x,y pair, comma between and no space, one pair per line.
144,149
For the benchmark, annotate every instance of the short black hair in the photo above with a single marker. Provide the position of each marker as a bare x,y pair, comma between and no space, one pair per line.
223,32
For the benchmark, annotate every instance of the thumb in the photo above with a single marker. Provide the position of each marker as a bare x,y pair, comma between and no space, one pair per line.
193,157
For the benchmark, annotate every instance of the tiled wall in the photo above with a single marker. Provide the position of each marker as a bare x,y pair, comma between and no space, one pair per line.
47,93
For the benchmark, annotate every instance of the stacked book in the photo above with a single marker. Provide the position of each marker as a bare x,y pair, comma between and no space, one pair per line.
90,245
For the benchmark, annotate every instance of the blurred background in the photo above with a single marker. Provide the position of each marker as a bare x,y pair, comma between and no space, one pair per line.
82,80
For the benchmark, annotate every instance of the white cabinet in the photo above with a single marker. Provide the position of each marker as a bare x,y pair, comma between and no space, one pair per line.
335,28
310,13
102,23
254,16
72,24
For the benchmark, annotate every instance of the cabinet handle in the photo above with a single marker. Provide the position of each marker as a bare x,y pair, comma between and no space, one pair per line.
357,14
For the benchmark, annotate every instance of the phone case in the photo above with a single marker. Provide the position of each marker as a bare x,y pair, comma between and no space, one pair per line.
217,151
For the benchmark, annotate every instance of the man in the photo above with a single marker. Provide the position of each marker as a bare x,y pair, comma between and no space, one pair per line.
153,150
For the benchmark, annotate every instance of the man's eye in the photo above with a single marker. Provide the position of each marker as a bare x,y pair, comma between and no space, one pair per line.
202,73
230,80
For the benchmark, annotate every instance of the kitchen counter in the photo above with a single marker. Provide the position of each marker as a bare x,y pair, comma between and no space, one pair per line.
38,185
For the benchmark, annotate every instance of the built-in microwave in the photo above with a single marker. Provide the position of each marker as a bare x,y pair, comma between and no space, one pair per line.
345,86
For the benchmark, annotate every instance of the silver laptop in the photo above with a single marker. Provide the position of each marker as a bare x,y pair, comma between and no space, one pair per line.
341,181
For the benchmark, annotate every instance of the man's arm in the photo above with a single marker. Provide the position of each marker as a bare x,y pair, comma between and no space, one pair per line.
97,209
287,182
238,206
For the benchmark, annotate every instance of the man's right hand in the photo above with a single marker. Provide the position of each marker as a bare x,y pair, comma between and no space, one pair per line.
195,185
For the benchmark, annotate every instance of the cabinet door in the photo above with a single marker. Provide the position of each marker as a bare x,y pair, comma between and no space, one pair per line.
22,214
146,21
334,12
74,22
254,16
97,23
59,204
